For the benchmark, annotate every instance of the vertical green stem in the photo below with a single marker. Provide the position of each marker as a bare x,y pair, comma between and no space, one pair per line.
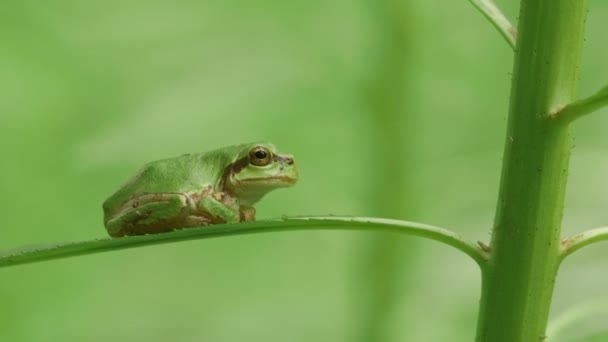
386,259
518,283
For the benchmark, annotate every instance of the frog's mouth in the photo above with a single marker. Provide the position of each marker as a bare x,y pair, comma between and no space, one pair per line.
277,179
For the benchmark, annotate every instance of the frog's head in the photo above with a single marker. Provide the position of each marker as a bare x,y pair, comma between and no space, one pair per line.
257,169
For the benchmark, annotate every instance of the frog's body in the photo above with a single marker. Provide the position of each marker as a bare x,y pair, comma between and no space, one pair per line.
192,190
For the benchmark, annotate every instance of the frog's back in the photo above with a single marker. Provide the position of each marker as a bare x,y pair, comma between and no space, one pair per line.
189,172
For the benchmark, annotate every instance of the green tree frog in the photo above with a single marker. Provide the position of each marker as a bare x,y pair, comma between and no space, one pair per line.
192,190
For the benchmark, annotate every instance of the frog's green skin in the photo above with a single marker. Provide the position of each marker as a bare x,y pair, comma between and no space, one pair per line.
192,190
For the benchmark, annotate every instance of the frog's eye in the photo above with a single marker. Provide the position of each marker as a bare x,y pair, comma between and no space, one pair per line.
260,156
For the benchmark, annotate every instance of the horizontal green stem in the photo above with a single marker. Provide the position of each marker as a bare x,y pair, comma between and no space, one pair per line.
583,107
573,244
285,224
498,19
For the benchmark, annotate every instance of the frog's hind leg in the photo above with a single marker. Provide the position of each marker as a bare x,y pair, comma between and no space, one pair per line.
153,213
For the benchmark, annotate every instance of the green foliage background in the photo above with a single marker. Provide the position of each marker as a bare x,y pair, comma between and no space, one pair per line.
391,109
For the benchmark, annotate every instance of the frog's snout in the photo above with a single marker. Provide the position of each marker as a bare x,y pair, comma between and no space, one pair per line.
285,158
287,167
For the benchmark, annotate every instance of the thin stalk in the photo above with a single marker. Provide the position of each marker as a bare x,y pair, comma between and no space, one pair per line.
383,279
519,280
573,244
443,235
489,9
576,316
583,107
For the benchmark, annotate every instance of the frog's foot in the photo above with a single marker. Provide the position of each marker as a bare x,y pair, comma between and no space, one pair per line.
154,213
247,213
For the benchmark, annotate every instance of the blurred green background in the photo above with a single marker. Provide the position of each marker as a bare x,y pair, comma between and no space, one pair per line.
392,108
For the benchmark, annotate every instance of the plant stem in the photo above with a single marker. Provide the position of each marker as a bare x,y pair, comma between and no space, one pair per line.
489,9
573,244
518,282
285,224
576,316
584,106
383,277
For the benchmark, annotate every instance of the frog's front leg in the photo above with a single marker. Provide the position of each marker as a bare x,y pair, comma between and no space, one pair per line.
222,207
247,213
150,213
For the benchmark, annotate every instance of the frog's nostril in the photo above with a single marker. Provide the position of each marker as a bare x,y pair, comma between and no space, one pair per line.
289,161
